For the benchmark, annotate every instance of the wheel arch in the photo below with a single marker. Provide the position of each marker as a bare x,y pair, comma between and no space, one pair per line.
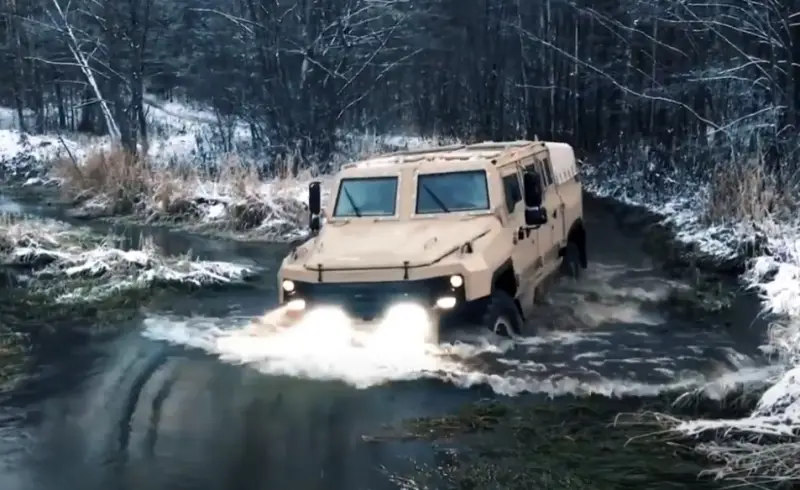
577,235
505,279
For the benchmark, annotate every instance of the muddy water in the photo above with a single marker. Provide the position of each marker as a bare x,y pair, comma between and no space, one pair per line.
184,401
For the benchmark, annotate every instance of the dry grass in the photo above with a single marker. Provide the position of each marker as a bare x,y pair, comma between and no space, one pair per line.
744,193
120,176
118,183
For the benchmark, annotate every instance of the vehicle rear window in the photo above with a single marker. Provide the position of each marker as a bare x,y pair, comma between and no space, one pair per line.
372,196
452,191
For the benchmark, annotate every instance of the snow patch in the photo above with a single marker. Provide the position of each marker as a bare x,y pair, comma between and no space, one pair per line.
76,265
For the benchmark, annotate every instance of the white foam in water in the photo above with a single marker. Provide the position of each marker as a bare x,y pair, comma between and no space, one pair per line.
327,346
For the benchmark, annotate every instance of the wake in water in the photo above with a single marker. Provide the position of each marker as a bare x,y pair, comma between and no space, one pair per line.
605,334
328,347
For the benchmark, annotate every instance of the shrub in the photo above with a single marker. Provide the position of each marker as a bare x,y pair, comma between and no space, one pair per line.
121,177
744,192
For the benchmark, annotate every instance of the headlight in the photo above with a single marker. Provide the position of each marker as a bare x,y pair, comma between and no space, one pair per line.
456,281
407,313
288,285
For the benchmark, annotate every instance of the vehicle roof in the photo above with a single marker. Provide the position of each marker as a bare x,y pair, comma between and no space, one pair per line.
453,156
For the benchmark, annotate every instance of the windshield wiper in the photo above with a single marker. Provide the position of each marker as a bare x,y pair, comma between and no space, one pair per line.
351,202
436,198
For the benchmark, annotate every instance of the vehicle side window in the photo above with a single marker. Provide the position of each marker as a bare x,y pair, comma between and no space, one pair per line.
548,170
536,166
513,191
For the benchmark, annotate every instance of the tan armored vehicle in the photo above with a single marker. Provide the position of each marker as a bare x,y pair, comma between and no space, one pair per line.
461,233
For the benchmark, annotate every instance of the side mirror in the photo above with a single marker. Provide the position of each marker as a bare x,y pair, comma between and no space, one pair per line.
314,205
532,189
536,216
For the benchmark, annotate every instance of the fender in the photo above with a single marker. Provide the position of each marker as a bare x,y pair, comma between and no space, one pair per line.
577,235
506,266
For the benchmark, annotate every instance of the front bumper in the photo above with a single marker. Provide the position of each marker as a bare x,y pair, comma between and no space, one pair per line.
370,300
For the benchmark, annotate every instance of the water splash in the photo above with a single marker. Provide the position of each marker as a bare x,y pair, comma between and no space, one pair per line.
330,348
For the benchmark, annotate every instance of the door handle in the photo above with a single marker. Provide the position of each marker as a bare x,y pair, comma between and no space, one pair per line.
555,213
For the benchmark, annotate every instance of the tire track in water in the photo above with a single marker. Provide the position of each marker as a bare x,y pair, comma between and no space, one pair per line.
134,394
151,437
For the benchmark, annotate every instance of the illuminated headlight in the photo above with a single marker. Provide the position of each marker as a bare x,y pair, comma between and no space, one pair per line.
407,312
328,315
288,285
456,281
296,305
446,302
406,326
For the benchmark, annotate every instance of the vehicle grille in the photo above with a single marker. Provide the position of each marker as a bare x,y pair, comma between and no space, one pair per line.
368,300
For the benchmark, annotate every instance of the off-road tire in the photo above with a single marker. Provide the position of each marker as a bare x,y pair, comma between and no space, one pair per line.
571,263
501,315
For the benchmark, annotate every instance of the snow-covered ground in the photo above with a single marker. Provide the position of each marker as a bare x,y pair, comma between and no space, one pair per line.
763,446
77,265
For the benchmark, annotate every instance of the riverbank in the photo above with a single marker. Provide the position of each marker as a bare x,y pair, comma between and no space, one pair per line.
765,256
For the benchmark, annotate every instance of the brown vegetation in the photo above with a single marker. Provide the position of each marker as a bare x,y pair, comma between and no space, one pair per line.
744,192
125,184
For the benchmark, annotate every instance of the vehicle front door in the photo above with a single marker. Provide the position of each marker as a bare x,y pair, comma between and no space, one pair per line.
525,254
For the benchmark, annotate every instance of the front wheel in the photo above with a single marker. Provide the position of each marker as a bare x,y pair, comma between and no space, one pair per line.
502,316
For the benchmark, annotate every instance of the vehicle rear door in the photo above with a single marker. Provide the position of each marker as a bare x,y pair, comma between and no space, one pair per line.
570,191
525,254
554,205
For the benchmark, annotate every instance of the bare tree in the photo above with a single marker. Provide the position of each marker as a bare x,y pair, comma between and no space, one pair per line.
62,23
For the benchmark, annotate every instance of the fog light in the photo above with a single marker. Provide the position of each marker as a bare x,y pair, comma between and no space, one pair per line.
288,285
296,305
446,303
456,281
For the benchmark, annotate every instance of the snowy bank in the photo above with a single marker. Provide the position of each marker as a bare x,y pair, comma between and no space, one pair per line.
756,447
75,265
199,171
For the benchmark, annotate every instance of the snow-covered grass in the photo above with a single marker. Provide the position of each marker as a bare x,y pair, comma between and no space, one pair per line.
77,266
764,447
230,196
233,197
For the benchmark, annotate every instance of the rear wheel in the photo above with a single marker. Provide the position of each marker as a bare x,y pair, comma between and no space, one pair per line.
501,315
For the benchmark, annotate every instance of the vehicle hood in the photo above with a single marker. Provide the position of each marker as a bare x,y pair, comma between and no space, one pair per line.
357,245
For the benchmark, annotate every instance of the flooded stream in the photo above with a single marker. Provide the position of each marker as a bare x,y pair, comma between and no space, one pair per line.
167,405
